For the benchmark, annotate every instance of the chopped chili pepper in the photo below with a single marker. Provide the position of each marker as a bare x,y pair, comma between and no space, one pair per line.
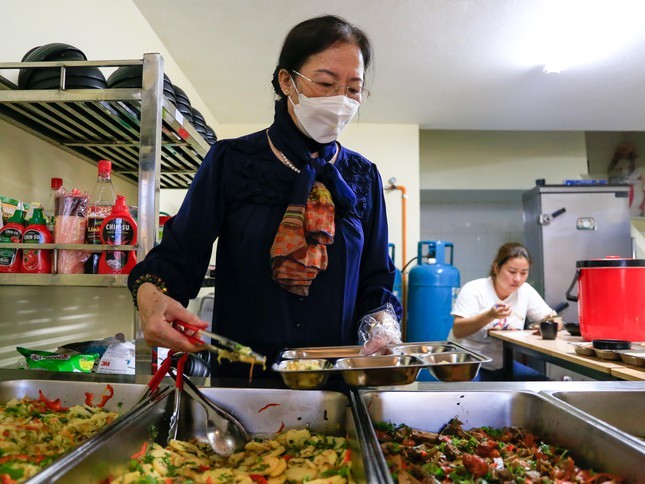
89,399
6,479
54,405
141,453
348,456
267,406
106,396
258,478
281,427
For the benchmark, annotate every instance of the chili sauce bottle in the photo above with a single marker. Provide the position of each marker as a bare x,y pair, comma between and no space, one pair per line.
12,232
118,228
37,261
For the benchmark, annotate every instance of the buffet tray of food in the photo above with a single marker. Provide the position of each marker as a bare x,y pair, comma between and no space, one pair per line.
295,436
46,424
397,364
493,435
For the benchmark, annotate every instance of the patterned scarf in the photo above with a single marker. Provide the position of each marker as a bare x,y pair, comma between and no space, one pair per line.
299,250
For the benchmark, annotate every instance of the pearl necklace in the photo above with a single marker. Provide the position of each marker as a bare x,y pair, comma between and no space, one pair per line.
288,162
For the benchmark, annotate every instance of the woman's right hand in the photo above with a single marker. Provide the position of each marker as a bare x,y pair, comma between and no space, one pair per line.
499,311
158,312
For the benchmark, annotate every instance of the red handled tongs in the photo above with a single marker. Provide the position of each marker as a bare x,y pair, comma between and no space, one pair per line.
228,348
162,371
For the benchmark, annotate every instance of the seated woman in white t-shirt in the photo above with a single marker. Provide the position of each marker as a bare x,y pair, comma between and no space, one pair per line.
504,300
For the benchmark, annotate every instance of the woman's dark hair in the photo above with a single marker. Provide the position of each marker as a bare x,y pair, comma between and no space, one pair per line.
511,250
316,35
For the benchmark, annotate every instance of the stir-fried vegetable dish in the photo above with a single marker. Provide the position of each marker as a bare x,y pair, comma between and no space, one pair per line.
478,455
34,433
291,456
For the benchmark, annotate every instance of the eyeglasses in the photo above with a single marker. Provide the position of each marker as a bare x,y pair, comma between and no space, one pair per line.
332,88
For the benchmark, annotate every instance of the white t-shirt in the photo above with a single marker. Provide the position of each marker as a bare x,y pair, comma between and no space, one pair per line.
478,296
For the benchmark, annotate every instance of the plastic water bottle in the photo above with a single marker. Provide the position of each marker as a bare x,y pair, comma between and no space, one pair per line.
101,202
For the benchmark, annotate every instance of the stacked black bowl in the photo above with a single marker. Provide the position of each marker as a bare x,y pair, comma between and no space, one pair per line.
183,103
130,77
211,137
49,78
199,122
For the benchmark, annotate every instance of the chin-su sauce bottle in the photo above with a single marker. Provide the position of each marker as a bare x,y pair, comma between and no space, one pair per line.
37,261
11,233
118,228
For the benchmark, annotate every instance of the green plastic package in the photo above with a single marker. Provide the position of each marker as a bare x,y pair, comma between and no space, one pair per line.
46,360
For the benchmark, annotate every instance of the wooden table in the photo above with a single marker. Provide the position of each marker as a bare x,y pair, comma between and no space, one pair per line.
559,352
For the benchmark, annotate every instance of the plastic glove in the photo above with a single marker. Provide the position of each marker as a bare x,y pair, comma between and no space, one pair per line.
378,329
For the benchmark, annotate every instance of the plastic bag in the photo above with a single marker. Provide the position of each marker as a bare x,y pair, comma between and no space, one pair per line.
119,358
46,360
69,228
379,329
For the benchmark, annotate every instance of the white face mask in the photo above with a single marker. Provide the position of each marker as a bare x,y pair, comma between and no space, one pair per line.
324,118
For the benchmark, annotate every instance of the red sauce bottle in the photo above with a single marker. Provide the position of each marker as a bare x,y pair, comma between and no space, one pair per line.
118,228
12,233
37,261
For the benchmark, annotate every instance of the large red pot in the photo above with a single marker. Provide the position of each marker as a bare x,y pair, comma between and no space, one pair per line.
611,298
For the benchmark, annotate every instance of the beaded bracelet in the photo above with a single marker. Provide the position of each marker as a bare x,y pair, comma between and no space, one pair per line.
151,278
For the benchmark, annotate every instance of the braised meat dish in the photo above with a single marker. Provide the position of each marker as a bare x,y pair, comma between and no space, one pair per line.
478,455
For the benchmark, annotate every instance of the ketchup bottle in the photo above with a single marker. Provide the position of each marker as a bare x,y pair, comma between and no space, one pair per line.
118,228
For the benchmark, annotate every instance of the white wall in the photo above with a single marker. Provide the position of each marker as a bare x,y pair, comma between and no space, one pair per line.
499,159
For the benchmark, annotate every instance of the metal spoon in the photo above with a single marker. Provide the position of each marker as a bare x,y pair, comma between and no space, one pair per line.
224,432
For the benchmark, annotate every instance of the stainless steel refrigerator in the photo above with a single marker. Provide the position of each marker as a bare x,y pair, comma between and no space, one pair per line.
564,224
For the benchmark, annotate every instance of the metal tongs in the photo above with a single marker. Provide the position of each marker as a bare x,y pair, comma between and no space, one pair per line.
224,433
243,353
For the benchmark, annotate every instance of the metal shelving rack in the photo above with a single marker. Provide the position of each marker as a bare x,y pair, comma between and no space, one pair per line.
139,130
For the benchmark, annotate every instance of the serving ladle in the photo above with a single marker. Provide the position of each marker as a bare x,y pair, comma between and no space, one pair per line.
224,432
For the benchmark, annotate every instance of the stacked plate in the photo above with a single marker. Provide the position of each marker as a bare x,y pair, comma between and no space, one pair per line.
49,78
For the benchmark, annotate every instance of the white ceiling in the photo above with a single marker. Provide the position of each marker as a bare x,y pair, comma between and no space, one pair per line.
441,64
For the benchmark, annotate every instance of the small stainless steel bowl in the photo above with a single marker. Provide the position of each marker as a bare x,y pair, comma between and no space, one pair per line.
423,348
635,358
607,354
584,349
379,370
452,367
326,352
298,374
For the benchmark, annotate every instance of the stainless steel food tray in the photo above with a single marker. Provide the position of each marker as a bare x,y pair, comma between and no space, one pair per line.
261,411
126,401
397,364
620,410
590,444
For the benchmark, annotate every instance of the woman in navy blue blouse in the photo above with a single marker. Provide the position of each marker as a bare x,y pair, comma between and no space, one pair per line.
283,278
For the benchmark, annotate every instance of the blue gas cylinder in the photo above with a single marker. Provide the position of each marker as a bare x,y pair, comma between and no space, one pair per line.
398,281
433,285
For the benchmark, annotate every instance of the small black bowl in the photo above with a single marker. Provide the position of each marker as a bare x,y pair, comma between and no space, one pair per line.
611,344
49,52
572,328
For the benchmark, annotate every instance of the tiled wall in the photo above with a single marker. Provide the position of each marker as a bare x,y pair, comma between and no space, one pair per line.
476,228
